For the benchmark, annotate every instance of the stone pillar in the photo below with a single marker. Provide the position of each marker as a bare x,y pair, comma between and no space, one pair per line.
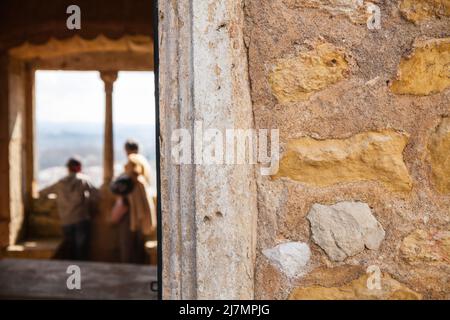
29,142
12,109
108,78
104,235
208,211
4,153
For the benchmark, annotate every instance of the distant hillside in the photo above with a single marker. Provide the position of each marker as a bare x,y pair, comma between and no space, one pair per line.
56,142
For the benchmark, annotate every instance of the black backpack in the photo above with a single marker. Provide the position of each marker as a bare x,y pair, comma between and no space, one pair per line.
122,185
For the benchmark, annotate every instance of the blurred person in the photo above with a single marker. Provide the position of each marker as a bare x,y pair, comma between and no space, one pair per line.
134,210
132,149
74,196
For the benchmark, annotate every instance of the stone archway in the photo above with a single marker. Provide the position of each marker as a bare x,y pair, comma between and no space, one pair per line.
108,56
120,36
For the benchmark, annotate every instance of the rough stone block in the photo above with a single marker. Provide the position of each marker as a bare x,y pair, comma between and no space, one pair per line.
357,289
366,156
345,229
426,247
353,10
295,79
291,258
420,10
439,150
426,70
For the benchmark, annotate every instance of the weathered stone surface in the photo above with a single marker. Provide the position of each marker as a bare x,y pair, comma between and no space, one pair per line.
291,257
357,289
332,276
352,9
365,156
41,279
423,246
439,150
420,10
295,79
426,70
211,259
359,103
345,229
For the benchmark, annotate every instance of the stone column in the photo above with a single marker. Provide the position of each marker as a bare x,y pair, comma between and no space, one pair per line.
4,153
108,78
12,109
208,211
29,142
104,235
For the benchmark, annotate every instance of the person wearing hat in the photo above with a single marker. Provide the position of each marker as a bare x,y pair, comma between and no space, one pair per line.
74,196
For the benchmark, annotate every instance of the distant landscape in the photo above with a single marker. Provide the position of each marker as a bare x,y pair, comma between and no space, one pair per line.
56,142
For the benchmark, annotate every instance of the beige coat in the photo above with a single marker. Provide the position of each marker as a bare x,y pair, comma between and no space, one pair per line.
142,207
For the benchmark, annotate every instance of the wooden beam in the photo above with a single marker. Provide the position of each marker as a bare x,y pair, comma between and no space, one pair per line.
98,61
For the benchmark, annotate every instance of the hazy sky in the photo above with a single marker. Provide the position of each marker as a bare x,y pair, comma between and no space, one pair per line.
72,96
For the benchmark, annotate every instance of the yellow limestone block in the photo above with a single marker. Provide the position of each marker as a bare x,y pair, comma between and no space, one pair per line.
426,247
295,79
419,10
426,70
439,149
358,289
373,155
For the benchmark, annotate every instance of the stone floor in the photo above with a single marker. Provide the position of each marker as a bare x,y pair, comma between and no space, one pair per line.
46,279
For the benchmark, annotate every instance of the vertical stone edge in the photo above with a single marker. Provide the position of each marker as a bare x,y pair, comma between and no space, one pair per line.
225,194
177,181
29,147
4,150
214,261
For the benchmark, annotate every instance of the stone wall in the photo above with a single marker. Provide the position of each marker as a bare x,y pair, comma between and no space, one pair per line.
12,104
363,189
17,80
43,221
4,163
